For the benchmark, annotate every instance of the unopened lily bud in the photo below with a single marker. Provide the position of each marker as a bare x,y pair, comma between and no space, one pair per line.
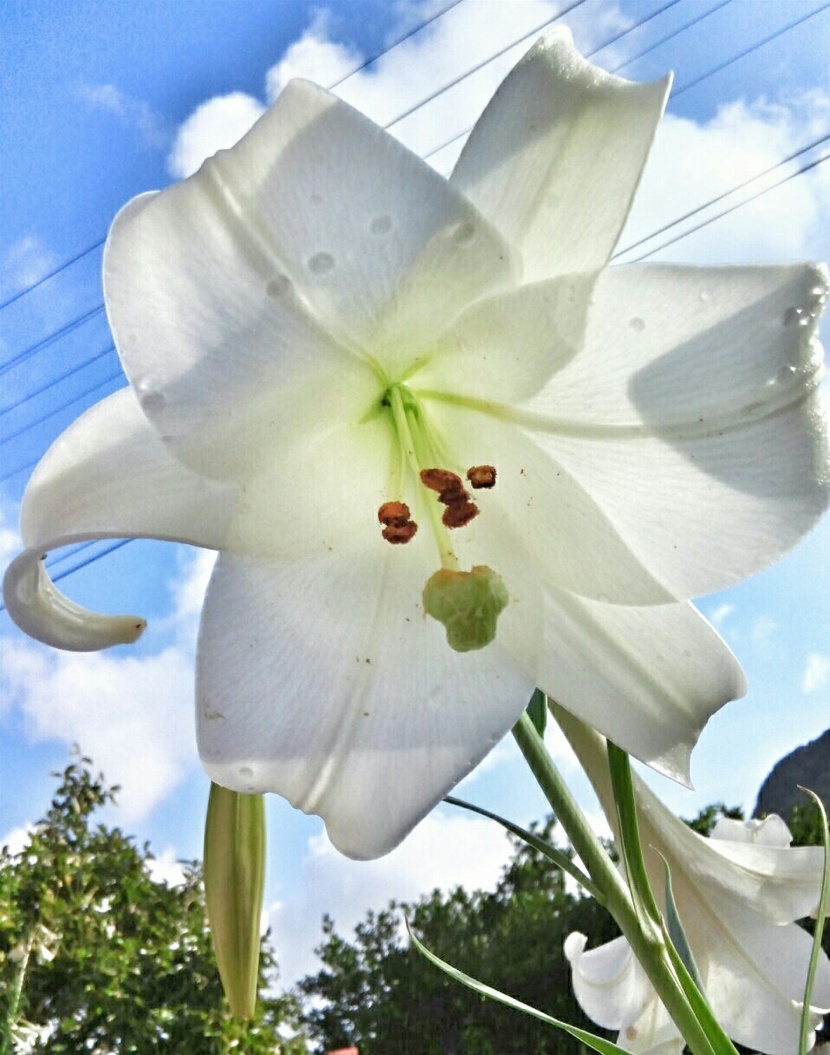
234,873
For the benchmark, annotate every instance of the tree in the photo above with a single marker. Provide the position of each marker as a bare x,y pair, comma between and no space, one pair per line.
377,994
103,958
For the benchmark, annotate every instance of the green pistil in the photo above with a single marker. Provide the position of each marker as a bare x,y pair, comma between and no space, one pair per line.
468,603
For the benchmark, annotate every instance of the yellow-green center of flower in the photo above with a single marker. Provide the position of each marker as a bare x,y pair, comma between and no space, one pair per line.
467,603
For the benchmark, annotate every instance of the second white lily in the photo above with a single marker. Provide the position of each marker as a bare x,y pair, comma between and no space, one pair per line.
737,894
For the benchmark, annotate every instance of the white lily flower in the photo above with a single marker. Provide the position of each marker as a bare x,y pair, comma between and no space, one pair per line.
737,894
314,319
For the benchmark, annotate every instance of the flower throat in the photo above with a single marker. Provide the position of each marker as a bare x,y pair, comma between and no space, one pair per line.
467,603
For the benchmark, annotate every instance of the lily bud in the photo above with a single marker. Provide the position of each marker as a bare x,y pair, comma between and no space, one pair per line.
234,873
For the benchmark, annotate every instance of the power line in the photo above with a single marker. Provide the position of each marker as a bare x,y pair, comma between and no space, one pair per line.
608,43
44,342
45,417
720,197
732,208
55,381
51,274
393,45
748,51
486,62
358,69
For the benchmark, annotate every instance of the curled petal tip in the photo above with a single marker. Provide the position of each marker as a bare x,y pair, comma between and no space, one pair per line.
44,613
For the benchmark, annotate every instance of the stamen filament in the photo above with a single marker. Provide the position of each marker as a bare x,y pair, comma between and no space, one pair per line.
417,450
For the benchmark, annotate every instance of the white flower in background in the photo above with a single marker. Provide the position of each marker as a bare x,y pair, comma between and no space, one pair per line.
737,894
314,320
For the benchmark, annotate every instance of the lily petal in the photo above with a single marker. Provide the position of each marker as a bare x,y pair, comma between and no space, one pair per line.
506,347
366,720
648,678
613,990
107,476
557,155
687,398
317,240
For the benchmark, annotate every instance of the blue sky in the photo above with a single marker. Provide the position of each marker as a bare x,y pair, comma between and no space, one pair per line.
104,100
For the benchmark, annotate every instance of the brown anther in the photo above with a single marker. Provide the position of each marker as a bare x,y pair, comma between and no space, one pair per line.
457,514
451,493
482,476
441,480
392,511
398,527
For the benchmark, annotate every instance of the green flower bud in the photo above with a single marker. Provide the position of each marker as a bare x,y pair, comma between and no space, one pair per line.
234,872
468,603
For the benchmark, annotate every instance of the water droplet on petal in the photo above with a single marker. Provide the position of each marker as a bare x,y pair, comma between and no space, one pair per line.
320,263
246,772
152,402
463,233
278,286
792,315
637,324
705,296
381,224
785,374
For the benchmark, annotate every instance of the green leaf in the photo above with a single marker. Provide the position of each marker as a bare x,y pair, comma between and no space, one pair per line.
542,845
595,1043
537,711
676,933
234,873
821,913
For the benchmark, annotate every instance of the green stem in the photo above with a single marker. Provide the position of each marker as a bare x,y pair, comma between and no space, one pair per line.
648,945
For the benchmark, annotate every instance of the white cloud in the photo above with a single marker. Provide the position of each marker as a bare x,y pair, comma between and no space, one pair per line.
187,591
399,79
133,716
25,262
166,868
719,616
444,851
817,674
215,125
10,542
133,113
693,163
17,839
314,56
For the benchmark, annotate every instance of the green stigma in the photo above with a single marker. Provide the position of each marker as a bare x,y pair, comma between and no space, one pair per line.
468,603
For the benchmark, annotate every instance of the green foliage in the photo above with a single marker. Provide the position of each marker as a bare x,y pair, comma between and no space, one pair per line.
377,994
112,960
710,815
374,992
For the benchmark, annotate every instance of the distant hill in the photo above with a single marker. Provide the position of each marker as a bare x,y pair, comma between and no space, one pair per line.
809,766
